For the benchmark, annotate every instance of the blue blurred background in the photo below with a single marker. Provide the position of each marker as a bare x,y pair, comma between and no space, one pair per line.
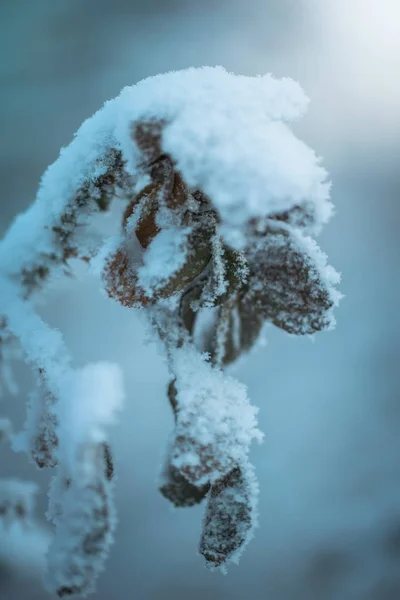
329,469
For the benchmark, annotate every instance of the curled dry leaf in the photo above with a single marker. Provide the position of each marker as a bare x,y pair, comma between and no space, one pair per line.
287,287
121,279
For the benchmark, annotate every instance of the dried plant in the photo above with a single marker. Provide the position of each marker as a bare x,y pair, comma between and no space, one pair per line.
217,200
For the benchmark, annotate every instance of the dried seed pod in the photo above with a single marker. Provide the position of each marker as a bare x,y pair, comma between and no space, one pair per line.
229,518
286,286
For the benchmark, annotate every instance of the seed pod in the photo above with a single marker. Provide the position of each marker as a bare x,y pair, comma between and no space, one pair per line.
229,518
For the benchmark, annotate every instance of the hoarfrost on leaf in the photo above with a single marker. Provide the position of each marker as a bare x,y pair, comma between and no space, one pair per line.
215,423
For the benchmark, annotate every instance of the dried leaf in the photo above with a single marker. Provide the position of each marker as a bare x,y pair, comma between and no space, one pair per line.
286,286
229,519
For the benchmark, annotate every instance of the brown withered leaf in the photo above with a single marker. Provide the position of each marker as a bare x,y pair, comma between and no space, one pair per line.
121,281
198,255
185,444
285,286
228,518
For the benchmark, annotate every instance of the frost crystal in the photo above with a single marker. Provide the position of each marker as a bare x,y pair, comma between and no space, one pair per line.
217,199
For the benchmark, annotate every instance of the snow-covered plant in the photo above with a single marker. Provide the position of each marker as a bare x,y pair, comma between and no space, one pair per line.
217,200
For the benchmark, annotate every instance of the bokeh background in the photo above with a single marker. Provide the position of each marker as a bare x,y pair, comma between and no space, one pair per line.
329,469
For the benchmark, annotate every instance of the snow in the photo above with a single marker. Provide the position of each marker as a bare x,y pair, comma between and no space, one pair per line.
228,136
164,257
215,421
